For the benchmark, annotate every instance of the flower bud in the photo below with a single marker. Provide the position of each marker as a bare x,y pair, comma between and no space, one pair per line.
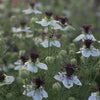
72,46
49,59
56,86
72,53
24,73
73,61
9,96
71,98
63,53
65,38
19,80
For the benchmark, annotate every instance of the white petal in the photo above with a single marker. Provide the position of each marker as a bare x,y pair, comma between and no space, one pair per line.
63,28
9,79
86,53
37,12
59,78
30,94
56,43
43,22
45,43
44,93
94,52
16,30
28,11
53,23
37,95
42,66
81,36
32,68
18,67
68,83
76,81
18,62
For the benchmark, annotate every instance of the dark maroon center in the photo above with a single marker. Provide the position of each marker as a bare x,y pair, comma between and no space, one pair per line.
24,59
48,14
23,23
34,56
70,69
39,82
32,4
56,18
63,20
86,28
88,43
2,77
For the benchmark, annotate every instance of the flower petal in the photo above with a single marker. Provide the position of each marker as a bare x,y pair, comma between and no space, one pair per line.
45,43
86,53
81,36
94,52
27,11
18,67
43,22
30,94
9,79
44,93
68,83
56,43
42,66
76,81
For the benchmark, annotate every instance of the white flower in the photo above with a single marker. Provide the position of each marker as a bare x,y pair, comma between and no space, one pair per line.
37,40
47,43
38,94
30,11
61,28
17,30
94,96
7,80
33,67
89,52
84,37
45,22
67,81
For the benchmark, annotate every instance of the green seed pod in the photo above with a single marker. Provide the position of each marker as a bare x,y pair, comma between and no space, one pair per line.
72,53
71,98
63,53
72,46
49,59
24,73
56,86
73,61
9,96
19,80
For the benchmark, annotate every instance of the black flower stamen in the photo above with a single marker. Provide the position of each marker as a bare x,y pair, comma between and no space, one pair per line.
24,59
88,43
32,4
63,20
70,69
34,56
39,82
2,77
86,28
48,14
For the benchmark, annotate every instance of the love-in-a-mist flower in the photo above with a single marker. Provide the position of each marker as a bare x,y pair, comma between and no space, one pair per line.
94,96
33,64
88,50
4,79
31,10
67,78
38,93
48,20
86,35
23,28
21,63
63,24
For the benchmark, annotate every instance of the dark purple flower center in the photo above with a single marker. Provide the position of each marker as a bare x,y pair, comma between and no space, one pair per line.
2,77
86,28
88,43
22,23
48,14
63,20
70,69
39,82
24,59
34,56
32,4
56,18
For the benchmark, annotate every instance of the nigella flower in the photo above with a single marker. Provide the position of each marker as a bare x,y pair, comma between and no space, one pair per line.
21,63
88,50
94,96
67,78
33,64
87,34
38,92
31,10
4,79
63,24
48,20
